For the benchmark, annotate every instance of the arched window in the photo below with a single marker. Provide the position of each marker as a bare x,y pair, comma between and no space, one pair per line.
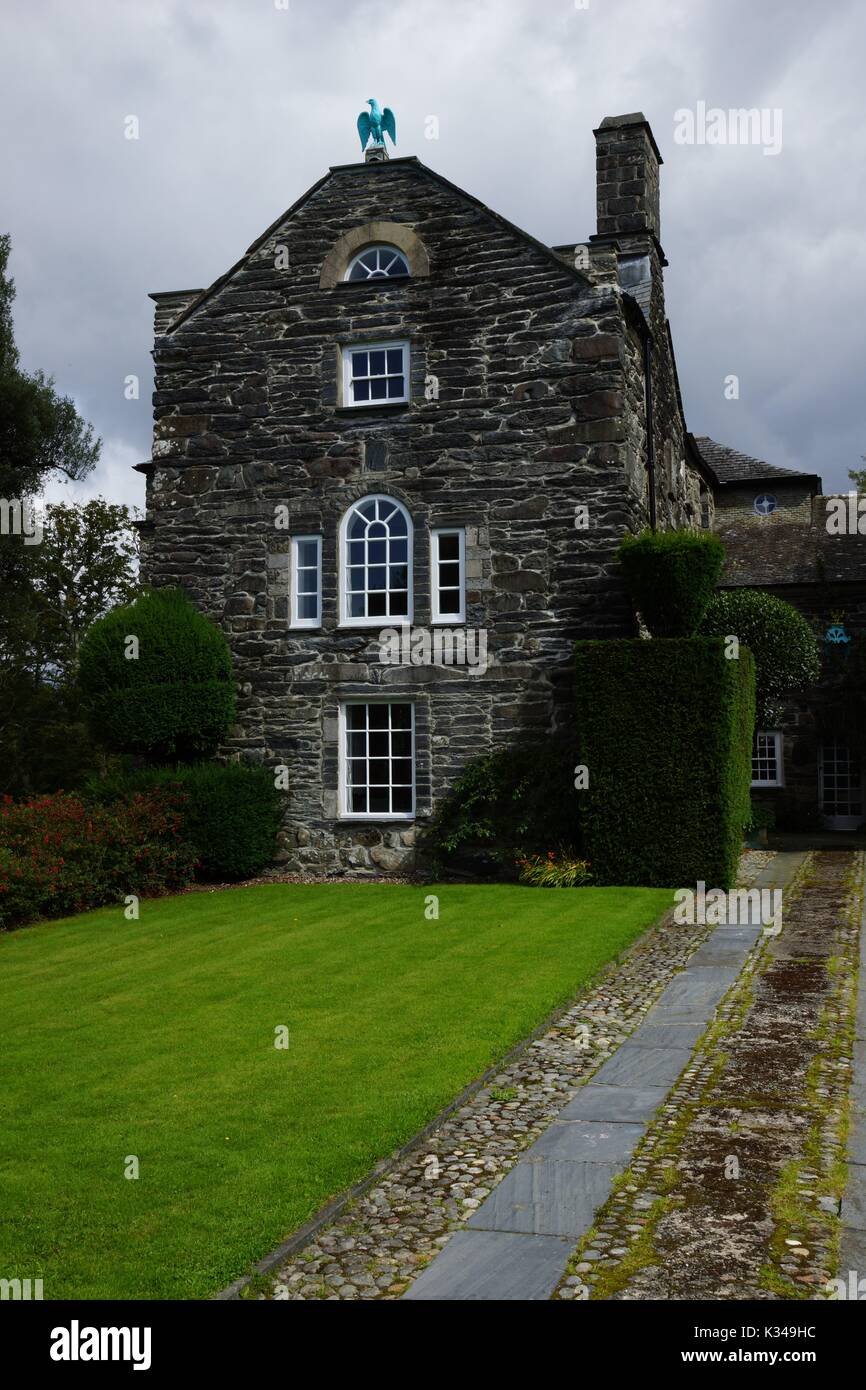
376,563
378,263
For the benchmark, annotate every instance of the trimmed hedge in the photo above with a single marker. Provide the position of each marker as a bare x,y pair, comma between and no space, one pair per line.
670,576
60,855
786,651
176,698
665,729
230,812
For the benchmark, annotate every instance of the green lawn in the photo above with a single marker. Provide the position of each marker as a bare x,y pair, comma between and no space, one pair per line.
156,1039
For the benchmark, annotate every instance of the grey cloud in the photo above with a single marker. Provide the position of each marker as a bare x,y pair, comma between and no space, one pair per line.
243,106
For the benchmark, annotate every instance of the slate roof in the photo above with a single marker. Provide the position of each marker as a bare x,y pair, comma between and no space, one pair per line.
731,466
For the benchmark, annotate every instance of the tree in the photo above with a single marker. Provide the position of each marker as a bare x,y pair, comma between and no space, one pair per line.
84,564
786,650
858,476
41,436
156,678
41,433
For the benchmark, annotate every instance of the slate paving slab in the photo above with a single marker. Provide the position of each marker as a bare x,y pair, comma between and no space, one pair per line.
643,1066
547,1197
852,1254
499,1266
857,1137
651,1034
719,950
597,1141
695,993
854,1201
614,1104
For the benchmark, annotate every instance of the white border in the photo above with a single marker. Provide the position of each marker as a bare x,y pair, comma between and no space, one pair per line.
346,350
343,781
383,620
295,621
460,615
776,735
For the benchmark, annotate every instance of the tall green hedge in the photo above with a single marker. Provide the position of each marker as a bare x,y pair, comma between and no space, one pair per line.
171,695
229,812
665,730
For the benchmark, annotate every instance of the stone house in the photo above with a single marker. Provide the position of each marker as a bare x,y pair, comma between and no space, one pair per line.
782,535
395,449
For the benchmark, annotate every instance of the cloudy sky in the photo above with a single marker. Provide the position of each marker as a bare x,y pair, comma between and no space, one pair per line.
243,104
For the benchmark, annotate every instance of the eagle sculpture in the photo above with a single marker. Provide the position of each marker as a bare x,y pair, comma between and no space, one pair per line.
376,124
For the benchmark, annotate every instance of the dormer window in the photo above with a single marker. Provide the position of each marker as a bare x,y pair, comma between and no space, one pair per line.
378,263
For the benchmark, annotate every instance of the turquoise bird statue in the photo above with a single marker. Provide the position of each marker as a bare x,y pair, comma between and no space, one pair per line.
377,123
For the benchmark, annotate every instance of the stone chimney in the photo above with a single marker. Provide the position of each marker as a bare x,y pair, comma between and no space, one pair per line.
627,163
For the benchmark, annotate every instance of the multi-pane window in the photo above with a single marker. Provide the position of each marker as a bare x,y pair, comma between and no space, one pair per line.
377,759
767,760
841,784
378,263
376,563
447,569
306,581
375,374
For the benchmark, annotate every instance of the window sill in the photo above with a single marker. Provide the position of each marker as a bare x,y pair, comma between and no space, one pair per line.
370,405
374,625
403,818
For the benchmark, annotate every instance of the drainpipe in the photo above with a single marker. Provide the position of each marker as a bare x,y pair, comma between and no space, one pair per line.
650,441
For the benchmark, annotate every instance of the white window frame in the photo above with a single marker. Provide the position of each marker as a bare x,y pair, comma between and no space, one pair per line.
435,591
379,246
382,620
345,811
778,742
393,345
296,620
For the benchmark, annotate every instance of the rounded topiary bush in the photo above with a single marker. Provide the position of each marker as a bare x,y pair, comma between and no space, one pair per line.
786,650
156,678
671,576
230,812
